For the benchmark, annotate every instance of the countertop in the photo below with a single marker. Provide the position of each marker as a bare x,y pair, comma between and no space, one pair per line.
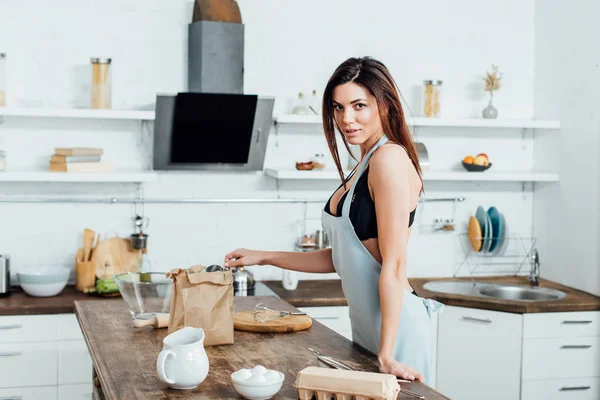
124,358
20,303
315,293
311,293
320,293
576,300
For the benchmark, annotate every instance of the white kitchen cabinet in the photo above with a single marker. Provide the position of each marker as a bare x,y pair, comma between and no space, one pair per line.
28,364
28,328
547,355
75,392
39,353
479,354
561,389
336,318
74,363
29,393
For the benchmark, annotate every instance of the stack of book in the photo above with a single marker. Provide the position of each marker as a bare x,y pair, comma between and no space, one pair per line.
78,159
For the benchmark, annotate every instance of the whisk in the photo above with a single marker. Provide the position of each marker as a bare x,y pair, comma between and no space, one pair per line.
263,313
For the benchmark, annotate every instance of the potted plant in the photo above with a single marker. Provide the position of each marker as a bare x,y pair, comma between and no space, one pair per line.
492,83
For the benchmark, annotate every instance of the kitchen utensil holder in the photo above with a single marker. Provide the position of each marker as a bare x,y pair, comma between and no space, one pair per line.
85,273
508,259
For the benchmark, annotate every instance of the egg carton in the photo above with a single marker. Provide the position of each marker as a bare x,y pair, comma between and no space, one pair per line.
326,383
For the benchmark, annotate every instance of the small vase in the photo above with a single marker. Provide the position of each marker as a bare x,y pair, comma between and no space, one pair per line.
490,112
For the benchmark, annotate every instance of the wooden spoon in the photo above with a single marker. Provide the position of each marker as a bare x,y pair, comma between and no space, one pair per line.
88,239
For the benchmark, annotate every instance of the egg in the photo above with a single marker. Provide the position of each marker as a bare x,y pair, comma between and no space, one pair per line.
243,374
259,370
271,375
256,379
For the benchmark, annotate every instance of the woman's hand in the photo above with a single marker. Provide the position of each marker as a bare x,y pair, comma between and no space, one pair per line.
391,366
243,258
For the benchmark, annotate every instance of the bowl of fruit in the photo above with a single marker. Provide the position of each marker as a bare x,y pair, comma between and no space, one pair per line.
476,164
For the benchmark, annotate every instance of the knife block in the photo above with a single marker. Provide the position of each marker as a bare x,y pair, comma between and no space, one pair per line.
85,272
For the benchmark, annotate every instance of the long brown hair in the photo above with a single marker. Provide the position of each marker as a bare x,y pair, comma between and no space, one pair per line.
375,77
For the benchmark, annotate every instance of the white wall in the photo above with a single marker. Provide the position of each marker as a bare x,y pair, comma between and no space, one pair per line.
290,47
567,86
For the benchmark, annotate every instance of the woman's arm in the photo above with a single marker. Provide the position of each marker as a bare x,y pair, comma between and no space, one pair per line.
319,261
389,180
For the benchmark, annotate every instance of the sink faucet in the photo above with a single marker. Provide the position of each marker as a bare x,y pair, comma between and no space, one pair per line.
534,274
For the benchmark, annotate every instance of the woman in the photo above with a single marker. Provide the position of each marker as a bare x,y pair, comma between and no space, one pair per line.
369,234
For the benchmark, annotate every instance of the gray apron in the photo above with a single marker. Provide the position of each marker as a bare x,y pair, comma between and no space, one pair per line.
360,272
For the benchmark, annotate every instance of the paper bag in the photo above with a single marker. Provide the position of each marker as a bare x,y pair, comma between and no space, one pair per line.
203,300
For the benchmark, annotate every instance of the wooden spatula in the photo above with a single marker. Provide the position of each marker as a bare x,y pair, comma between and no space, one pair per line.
88,240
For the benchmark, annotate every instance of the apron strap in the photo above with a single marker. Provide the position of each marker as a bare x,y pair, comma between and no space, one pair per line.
348,200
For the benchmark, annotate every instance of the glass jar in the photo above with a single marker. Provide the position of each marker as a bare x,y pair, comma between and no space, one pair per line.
2,79
2,160
300,106
318,161
101,83
432,98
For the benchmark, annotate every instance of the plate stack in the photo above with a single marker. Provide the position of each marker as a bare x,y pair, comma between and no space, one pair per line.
487,230
78,159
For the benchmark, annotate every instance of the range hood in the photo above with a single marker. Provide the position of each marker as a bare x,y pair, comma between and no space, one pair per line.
211,131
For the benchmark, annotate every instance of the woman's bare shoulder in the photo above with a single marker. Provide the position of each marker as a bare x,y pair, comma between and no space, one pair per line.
389,155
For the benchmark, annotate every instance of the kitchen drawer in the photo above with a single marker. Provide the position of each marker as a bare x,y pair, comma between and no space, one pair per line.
564,389
68,327
28,364
75,392
561,358
565,324
74,362
29,393
28,328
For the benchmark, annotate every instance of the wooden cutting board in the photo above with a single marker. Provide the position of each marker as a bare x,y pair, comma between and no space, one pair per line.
244,321
114,256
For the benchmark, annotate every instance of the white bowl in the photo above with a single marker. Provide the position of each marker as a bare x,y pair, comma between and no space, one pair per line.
44,281
257,391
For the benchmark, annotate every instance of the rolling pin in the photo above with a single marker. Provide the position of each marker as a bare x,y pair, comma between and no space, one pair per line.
160,320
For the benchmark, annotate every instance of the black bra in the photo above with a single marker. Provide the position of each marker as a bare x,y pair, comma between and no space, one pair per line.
362,209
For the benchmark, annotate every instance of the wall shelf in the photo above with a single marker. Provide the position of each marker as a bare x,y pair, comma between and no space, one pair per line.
487,176
47,176
146,115
442,122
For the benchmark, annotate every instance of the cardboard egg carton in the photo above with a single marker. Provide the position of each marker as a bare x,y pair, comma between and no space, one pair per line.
325,383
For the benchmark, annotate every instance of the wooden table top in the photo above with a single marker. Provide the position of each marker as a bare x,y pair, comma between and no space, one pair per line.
124,357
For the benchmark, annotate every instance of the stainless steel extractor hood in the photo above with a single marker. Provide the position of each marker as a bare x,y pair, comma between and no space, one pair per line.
211,131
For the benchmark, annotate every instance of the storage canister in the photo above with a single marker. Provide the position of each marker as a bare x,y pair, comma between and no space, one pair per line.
2,79
101,82
432,98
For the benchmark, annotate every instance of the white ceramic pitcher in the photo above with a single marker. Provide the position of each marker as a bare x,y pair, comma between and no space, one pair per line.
183,363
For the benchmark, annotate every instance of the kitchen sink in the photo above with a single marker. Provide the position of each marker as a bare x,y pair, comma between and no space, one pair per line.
495,290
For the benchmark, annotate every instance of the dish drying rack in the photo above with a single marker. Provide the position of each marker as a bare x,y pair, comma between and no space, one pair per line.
512,256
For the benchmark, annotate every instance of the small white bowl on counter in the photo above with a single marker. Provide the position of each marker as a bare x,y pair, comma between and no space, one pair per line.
257,383
43,281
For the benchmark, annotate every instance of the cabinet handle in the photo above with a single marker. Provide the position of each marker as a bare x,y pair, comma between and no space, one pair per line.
484,320
13,326
566,388
576,346
10,354
577,322
11,398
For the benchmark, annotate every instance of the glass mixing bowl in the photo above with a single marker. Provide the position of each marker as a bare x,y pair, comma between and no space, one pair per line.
145,293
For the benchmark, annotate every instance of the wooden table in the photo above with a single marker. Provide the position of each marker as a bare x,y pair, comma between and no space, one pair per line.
124,358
